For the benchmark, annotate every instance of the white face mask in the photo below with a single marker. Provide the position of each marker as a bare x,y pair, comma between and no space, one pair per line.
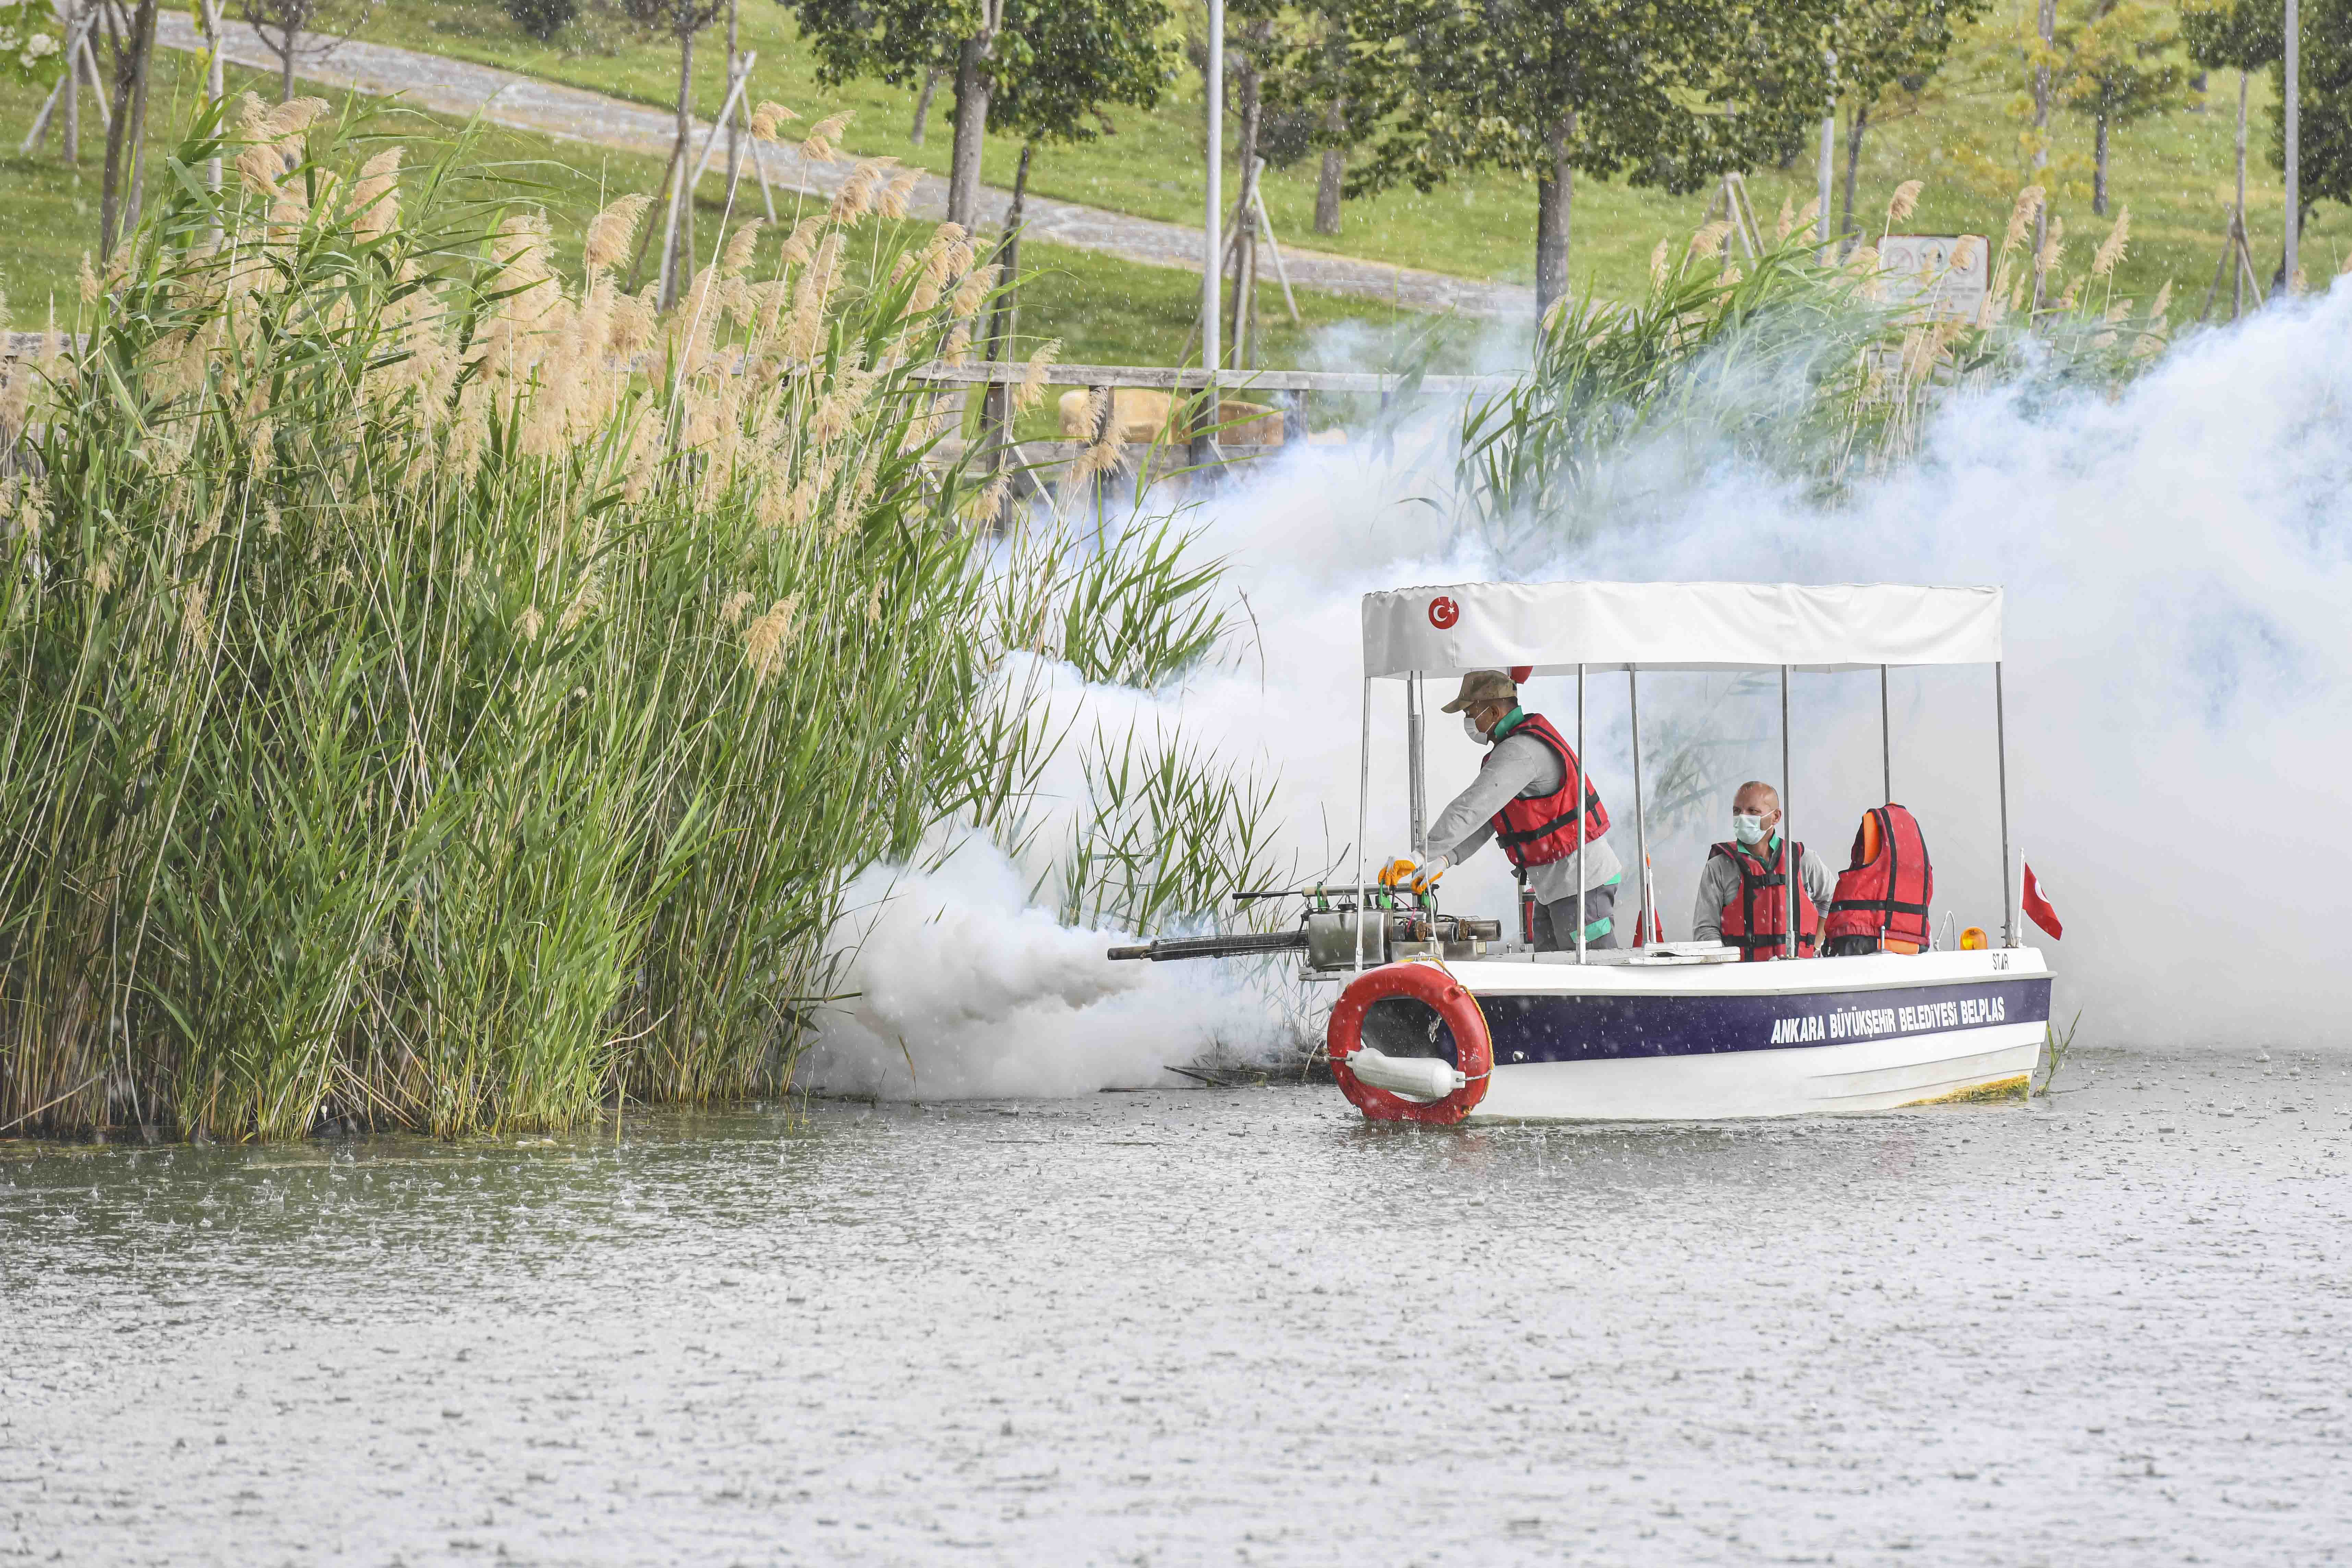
1470,728
1748,829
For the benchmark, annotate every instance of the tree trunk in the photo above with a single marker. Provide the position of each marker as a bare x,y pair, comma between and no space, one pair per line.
2045,23
1553,197
2238,274
122,148
72,105
970,128
1005,320
923,104
2099,169
1852,168
135,198
215,87
1327,189
286,65
678,245
646,230
1246,210
734,121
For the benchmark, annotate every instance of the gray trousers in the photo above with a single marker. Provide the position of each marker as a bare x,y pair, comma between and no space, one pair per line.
1556,922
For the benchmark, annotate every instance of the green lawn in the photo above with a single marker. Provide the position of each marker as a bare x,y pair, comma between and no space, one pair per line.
2174,173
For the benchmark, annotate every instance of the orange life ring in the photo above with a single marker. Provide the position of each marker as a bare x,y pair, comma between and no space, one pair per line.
1421,980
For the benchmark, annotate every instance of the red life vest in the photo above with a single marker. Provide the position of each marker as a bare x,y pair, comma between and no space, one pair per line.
1883,896
1541,830
1756,920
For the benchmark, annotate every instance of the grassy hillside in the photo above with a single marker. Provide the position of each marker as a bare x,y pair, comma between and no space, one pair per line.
2174,172
1105,311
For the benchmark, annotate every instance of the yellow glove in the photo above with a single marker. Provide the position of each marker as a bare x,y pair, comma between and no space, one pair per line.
1427,877
1396,873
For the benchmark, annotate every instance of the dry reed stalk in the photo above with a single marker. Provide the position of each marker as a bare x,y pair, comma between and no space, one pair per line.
1903,203
2053,247
817,145
375,200
2111,250
768,120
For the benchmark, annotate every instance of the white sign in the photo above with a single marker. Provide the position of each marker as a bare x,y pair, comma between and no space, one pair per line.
1949,275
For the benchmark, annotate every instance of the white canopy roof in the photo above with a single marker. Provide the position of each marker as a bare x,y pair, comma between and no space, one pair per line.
1552,627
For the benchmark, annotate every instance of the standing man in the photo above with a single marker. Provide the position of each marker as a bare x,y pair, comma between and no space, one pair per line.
1531,796
1743,894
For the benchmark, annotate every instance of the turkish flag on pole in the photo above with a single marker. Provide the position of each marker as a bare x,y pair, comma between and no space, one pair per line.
2037,908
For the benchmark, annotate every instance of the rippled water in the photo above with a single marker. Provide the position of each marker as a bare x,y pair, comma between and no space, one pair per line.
1209,1326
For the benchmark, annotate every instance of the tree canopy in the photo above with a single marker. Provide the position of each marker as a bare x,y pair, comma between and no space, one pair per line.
1663,94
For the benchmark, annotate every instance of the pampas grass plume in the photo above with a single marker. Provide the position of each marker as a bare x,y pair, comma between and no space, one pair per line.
769,119
2111,250
607,241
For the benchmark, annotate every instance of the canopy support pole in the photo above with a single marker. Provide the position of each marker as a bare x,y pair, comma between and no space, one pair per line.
1791,873
1886,739
1579,805
1641,822
2000,751
1363,810
1417,724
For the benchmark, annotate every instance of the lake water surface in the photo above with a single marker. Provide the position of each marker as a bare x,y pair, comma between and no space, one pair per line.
2110,1327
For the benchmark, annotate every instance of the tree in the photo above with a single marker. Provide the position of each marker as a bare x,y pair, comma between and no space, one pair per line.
543,19
2325,132
2243,36
681,19
126,142
2126,64
1885,46
1666,93
285,25
1060,65
902,42
1042,70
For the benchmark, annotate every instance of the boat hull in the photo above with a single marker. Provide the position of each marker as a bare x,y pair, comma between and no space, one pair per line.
1663,1042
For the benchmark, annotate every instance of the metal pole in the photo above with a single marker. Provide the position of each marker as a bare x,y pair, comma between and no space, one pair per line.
1212,263
1417,724
1790,872
1886,740
1641,824
1363,810
2001,750
1828,166
2293,141
1577,805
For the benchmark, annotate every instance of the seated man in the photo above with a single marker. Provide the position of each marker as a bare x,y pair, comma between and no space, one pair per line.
1530,796
1743,896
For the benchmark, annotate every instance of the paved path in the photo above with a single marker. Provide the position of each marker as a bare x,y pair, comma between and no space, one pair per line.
462,88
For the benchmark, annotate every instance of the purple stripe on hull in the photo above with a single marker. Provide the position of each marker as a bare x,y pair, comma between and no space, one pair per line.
1541,1028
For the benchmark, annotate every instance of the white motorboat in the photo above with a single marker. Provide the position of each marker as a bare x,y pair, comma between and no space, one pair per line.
1440,1020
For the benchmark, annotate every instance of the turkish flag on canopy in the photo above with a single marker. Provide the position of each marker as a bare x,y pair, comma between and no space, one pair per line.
2037,907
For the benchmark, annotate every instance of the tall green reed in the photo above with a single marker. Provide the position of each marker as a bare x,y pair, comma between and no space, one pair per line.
449,694
1779,365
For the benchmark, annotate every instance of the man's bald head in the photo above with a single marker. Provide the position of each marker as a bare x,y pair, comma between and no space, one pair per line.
1757,798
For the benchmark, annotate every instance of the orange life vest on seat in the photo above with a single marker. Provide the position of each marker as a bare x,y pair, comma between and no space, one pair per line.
1756,920
1538,831
1883,895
